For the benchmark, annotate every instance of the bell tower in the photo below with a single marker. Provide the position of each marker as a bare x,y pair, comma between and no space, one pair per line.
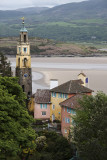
23,62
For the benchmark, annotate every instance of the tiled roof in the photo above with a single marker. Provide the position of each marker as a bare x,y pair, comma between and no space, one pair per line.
42,96
72,86
72,102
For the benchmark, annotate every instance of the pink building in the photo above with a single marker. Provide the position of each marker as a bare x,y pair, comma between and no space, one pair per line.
67,112
42,104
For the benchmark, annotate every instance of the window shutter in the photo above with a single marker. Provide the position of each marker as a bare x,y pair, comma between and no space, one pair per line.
52,94
55,94
46,106
61,95
68,120
41,106
58,95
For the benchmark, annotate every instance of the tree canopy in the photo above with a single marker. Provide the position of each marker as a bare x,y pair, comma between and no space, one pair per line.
5,68
90,130
16,133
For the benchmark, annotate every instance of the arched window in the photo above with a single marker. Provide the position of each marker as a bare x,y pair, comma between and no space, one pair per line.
18,62
24,38
25,62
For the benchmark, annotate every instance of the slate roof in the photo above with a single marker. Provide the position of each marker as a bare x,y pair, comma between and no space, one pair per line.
72,102
72,86
42,96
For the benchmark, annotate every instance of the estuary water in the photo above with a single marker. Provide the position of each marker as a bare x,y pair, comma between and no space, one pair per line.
67,68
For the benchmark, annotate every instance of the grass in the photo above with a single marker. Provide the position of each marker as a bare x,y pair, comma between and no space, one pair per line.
65,24
97,45
89,21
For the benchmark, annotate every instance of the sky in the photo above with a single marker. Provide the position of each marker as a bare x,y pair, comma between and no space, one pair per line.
15,4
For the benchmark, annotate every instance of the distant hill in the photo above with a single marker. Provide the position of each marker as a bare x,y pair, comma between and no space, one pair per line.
9,14
21,12
32,10
83,21
83,10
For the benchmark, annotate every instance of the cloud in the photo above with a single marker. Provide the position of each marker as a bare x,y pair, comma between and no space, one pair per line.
14,4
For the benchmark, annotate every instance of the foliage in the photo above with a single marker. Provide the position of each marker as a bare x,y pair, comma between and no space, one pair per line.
36,50
16,133
90,131
57,148
5,68
41,143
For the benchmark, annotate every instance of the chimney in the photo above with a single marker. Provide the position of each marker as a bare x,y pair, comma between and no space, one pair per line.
82,76
53,83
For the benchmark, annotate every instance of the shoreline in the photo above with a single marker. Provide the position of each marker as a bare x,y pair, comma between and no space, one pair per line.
97,77
72,56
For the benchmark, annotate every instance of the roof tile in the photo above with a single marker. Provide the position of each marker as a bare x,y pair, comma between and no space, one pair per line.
72,86
42,96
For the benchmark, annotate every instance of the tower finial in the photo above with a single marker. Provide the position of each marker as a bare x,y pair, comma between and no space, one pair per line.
23,29
23,22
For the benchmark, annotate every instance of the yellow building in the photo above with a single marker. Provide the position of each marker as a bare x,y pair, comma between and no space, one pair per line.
55,109
62,92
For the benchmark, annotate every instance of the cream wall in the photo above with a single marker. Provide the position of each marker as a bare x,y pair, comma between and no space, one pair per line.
21,61
83,78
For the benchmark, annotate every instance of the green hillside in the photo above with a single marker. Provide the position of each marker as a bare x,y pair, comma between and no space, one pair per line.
84,21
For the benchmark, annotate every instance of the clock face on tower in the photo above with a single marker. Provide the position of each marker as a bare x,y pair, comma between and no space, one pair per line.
25,75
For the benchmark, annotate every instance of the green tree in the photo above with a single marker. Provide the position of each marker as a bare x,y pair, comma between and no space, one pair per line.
90,130
58,147
17,138
5,68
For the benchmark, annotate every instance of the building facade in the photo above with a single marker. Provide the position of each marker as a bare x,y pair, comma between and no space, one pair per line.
68,111
42,104
63,92
23,62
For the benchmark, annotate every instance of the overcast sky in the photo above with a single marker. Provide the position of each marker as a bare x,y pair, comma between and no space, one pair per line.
14,4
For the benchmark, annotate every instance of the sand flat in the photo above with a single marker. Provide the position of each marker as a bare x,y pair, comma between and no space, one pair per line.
53,68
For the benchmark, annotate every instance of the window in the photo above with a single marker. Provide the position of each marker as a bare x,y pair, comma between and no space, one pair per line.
25,62
65,130
43,106
53,106
19,62
19,49
67,120
53,94
69,110
73,123
25,50
43,113
24,38
73,112
65,96
59,95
